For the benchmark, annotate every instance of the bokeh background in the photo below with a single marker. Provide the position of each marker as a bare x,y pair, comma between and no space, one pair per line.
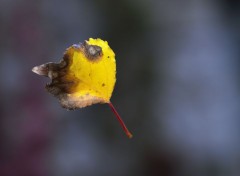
177,89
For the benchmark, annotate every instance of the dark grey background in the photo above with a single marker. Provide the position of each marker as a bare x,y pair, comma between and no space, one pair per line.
177,89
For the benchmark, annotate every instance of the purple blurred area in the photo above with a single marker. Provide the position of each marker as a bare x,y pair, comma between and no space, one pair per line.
178,89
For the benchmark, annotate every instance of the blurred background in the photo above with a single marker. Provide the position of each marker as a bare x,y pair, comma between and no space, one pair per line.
177,89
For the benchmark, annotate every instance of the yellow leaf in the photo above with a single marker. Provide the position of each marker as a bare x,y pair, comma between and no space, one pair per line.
86,75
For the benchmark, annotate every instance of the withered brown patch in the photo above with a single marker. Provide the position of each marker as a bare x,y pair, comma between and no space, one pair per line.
71,102
60,85
92,52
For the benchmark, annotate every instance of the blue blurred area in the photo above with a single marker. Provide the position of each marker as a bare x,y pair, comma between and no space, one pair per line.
177,89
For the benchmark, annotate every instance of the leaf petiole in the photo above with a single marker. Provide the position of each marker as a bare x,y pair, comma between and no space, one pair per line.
129,135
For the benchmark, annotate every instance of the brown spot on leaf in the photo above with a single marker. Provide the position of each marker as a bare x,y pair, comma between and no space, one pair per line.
92,52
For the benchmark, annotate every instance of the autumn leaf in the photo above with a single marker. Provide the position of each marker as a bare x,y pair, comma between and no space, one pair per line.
85,76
